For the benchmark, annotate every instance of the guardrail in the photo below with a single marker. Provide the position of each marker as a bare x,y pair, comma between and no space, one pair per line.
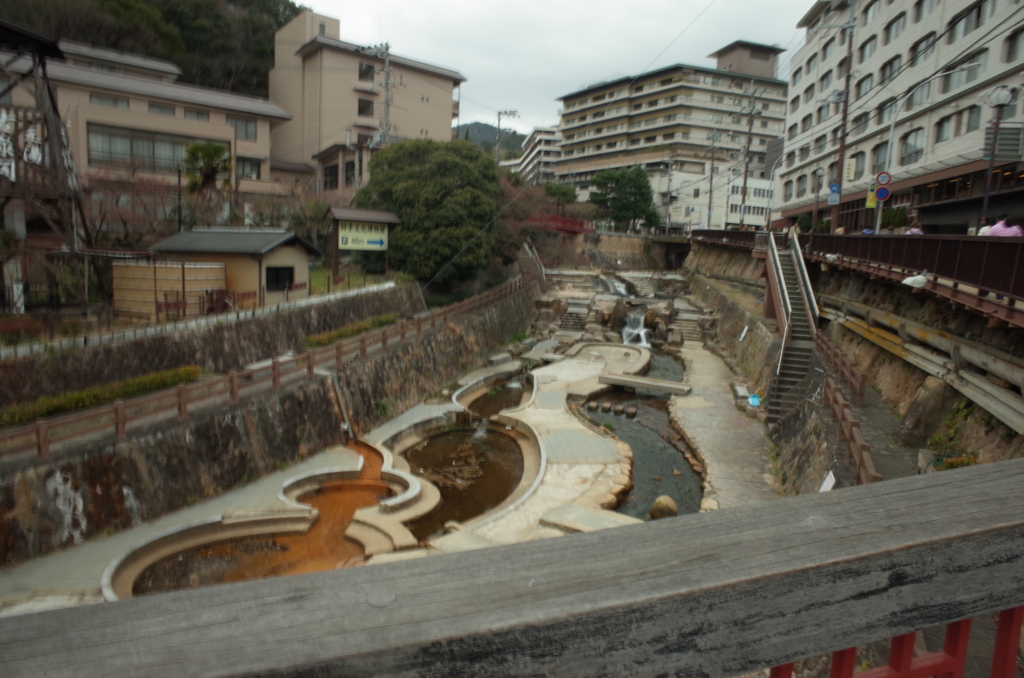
723,593
744,239
47,432
835,359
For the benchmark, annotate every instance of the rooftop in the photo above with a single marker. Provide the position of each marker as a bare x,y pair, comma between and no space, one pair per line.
744,43
667,69
320,42
129,59
230,241
352,214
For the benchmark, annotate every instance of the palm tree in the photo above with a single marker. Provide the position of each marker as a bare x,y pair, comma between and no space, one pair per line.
206,164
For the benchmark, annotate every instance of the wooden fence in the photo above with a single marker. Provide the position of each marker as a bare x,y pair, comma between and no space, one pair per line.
857,451
835,359
117,416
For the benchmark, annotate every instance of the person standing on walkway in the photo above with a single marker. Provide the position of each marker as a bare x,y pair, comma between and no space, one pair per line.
1002,229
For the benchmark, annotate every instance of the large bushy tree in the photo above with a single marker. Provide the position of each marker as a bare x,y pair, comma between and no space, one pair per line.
625,197
444,194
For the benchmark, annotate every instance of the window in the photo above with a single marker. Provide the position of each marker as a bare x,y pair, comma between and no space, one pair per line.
843,68
871,11
806,123
244,128
922,50
829,49
797,75
923,8
764,124
696,193
812,63
821,144
323,29
801,186
736,120
886,109
879,157
837,134
971,18
350,172
330,177
765,106
664,137
160,109
650,104
715,117
864,85
248,169
366,72
280,278
650,140
790,159
890,68
787,190
805,152
1015,46
858,164
793,131
762,142
958,78
920,96
717,99
809,94
867,49
365,108
860,123
104,100
944,128
912,146
895,28
5,100
825,83
833,172
794,104
823,112
736,190
973,118
152,151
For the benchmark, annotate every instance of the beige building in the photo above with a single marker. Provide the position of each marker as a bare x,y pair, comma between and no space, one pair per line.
129,124
921,68
688,127
541,150
339,104
260,267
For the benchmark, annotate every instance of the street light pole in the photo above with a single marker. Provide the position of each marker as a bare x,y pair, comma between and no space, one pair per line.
711,177
998,98
179,198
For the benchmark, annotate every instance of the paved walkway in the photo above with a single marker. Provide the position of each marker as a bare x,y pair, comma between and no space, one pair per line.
734,447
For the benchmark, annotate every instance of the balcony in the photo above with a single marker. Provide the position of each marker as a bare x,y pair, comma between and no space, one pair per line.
722,593
455,109
365,121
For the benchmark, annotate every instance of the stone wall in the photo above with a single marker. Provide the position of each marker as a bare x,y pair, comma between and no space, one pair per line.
220,349
726,263
94,489
758,354
612,252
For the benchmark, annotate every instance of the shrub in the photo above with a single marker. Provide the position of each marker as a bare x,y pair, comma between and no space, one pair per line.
97,395
350,330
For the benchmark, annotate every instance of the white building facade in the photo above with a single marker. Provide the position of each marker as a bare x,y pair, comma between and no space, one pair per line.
926,65
541,150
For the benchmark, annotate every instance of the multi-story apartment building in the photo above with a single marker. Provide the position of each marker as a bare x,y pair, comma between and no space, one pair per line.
541,150
335,93
688,127
129,124
923,64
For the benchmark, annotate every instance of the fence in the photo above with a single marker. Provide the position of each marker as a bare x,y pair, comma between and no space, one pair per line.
722,593
857,451
853,377
45,432
745,239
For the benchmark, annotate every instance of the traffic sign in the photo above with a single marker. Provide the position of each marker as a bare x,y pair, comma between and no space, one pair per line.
883,179
881,193
833,188
833,198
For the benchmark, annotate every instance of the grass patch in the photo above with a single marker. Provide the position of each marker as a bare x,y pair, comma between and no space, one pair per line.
608,425
318,280
97,395
438,300
351,330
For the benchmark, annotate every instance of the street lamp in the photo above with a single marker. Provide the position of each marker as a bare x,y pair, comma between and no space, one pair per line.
998,97
900,101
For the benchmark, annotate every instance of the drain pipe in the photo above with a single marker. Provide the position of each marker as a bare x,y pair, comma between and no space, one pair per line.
346,427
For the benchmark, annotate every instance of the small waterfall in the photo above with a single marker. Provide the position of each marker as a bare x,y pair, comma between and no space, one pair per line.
620,288
634,332
515,384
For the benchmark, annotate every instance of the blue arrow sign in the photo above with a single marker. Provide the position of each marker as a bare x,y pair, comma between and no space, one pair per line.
378,243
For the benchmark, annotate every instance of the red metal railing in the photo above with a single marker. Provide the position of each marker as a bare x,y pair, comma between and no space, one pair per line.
45,433
948,663
994,264
557,223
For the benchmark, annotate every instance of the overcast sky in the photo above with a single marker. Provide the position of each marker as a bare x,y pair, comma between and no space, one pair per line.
523,55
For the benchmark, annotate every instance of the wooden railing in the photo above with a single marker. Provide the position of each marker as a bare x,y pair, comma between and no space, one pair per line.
858,452
835,359
47,432
722,593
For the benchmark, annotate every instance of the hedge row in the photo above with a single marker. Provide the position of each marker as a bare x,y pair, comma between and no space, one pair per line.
97,395
350,330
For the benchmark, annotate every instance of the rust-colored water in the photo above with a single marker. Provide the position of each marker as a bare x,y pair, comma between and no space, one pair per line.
324,547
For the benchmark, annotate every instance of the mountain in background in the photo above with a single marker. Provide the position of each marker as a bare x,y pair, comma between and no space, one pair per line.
483,135
216,43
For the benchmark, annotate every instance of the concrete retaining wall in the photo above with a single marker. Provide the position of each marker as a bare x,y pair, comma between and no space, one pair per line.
618,252
221,348
726,263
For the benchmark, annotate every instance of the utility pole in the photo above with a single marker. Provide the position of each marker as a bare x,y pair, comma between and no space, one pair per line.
711,177
497,140
383,52
841,160
746,154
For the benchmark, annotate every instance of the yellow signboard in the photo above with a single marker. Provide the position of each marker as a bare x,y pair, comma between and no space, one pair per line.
871,201
359,235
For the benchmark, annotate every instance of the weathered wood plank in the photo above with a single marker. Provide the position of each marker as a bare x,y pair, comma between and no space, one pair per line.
714,594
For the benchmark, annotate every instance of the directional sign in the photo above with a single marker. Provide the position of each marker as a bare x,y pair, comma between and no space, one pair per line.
881,193
871,203
833,198
883,179
359,235
833,188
